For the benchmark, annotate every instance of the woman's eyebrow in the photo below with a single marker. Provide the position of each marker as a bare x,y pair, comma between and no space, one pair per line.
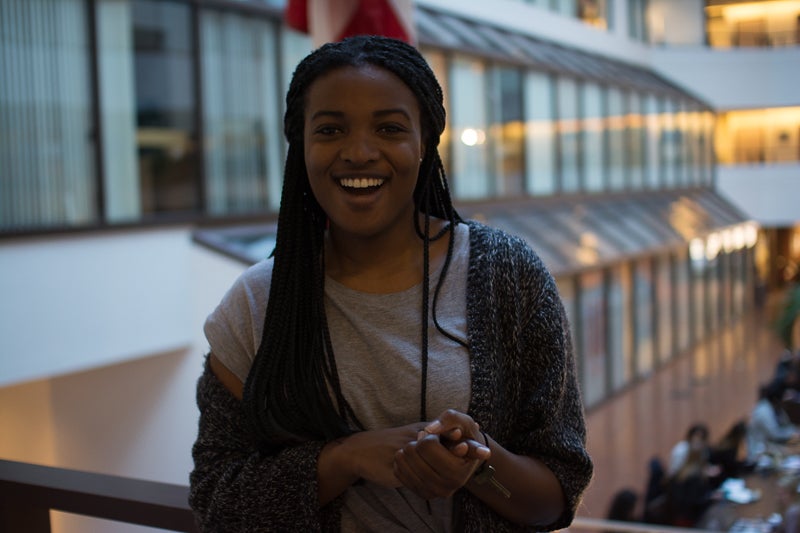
384,112
325,113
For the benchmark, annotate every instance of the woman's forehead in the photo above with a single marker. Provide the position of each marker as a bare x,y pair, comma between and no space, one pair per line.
340,85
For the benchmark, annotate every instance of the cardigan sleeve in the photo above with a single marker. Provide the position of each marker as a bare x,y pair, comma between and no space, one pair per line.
560,435
551,416
525,391
237,487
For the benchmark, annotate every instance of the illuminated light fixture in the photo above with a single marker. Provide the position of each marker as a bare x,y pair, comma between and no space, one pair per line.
697,249
472,136
739,237
727,240
751,235
713,245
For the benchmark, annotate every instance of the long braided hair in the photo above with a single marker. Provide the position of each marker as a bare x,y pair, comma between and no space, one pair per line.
292,392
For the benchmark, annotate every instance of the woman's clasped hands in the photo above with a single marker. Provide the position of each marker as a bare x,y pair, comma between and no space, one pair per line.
443,457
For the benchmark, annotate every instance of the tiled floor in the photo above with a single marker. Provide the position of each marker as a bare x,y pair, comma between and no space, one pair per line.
715,383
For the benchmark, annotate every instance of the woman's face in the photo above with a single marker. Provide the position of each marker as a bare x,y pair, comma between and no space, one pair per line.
363,146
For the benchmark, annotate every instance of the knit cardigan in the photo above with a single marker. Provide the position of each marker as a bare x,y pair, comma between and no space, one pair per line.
524,394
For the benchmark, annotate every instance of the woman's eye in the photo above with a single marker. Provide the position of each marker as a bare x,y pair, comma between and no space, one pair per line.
327,130
392,128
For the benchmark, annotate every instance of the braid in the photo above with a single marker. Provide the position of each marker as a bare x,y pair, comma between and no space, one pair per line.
293,390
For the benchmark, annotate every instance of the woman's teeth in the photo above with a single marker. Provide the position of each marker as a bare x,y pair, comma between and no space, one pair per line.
361,183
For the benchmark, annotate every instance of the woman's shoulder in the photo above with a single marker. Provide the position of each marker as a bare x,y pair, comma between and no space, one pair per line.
499,245
248,294
254,280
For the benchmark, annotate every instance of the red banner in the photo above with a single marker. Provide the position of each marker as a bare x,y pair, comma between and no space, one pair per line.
333,20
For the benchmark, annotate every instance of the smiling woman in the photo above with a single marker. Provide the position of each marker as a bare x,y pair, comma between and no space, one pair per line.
391,367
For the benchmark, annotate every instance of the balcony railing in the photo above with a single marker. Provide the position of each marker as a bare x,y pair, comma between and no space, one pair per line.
28,492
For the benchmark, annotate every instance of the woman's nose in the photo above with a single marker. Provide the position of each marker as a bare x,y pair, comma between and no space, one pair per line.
359,149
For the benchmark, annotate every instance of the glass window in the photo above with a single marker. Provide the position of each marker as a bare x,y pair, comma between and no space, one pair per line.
295,46
670,144
540,3
240,111
752,24
438,63
713,294
686,145
739,281
568,8
757,136
620,320
568,134
653,134
566,289
697,256
689,143
507,131
166,134
682,314
725,286
592,131
595,13
664,304
47,172
699,151
709,159
539,134
636,145
615,130
637,25
643,318
118,111
469,122
593,337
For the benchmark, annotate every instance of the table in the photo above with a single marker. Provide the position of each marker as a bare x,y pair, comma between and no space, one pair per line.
758,516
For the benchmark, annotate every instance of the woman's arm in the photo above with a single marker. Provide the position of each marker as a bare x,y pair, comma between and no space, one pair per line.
525,392
236,484
549,424
342,462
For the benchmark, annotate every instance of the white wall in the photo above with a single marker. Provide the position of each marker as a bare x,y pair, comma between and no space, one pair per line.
130,410
741,78
767,193
76,302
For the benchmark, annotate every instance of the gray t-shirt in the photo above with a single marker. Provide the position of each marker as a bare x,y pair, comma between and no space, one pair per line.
376,340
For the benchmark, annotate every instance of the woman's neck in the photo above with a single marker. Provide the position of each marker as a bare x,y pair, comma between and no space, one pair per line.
382,264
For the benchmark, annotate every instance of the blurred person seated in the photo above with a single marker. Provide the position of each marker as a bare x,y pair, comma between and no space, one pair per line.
787,372
789,376
690,492
655,498
769,426
730,454
623,507
696,439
